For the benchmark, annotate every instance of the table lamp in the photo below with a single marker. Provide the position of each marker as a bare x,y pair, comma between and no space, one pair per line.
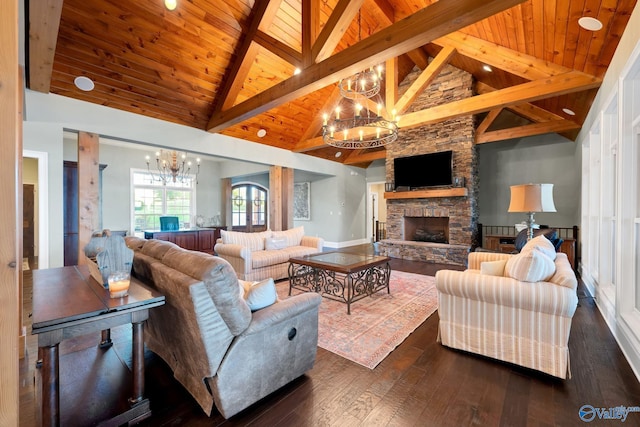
531,198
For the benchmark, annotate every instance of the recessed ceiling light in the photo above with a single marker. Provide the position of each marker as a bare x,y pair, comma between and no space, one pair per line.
487,68
589,23
297,71
170,4
261,133
568,111
84,83
338,154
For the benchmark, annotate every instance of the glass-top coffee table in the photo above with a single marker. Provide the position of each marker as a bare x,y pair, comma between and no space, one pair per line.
340,276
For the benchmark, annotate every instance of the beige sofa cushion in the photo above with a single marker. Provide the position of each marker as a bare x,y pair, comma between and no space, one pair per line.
493,268
252,241
531,266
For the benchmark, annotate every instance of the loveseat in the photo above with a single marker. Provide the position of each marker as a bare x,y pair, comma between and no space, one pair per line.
220,350
258,256
514,308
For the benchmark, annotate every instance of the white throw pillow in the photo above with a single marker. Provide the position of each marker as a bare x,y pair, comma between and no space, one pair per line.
252,241
293,236
271,243
541,244
530,266
493,268
261,294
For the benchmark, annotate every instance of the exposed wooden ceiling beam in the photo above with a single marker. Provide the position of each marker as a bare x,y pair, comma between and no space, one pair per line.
366,156
514,62
44,21
526,110
280,49
416,30
527,130
391,82
262,14
334,29
526,92
531,91
424,79
482,127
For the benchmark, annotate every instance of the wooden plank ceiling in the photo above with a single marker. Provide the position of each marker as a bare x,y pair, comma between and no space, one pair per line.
228,66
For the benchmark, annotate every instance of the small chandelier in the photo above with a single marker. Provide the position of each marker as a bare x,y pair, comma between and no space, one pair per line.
172,169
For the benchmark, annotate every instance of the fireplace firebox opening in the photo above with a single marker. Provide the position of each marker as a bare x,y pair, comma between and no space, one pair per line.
426,229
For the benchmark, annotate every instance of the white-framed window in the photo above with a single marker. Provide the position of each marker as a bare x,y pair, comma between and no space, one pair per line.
151,199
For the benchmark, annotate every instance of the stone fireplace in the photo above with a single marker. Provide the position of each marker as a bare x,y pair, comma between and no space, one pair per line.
433,212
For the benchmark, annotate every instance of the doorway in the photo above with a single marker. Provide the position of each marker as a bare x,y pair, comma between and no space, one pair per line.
36,172
376,211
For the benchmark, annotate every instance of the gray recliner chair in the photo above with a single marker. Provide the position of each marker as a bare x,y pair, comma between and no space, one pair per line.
219,349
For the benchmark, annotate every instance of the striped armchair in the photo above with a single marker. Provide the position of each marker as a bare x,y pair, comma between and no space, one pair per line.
525,323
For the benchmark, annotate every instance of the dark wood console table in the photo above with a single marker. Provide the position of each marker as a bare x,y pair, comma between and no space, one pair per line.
194,239
68,302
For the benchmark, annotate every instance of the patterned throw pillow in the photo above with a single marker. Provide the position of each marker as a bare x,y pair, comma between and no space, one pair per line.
530,266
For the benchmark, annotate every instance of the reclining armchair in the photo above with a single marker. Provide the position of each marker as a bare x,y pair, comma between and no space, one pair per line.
220,350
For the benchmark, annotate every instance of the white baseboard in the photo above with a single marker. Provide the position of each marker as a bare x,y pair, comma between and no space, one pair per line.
338,245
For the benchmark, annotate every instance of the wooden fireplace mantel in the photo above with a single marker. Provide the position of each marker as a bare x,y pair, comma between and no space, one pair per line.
426,194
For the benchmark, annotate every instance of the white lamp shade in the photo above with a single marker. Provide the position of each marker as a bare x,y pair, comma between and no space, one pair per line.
532,198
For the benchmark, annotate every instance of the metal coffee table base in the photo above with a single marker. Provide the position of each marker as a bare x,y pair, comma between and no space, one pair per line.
346,288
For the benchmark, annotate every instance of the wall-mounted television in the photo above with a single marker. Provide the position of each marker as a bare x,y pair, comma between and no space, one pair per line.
425,170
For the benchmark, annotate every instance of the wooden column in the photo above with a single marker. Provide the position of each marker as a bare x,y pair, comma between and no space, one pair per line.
280,198
22,332
88,189
275,198
10,224
287,198
226,203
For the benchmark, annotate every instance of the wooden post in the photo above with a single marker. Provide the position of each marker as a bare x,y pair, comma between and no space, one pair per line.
10,224
275,198
88,189
287,198
226,203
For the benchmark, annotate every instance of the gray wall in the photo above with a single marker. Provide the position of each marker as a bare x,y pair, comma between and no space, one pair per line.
541,159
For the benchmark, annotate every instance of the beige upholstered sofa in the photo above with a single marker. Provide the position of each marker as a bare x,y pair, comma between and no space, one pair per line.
257,256
218,349
527,322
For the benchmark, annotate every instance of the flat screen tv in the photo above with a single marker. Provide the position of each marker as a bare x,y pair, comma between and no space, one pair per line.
425,170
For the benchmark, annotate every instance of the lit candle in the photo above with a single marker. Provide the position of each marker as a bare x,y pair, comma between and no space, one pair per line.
198,160
325,117
345,132
379,108
380,71
358,108
349,85
361,134
393,114
337,113
332,129
363,83
378,133
119,282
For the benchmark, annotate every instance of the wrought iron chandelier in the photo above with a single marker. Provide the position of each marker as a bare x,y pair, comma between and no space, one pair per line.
172,167
363,126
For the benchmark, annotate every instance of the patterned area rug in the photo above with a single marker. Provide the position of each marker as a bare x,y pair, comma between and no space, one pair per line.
377,324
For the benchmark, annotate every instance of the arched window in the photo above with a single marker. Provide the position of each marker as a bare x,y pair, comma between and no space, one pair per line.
249,207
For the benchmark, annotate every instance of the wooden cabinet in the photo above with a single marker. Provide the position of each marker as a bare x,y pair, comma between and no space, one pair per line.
202,239
506,244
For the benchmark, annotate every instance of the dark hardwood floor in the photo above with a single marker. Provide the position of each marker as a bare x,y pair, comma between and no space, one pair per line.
421,383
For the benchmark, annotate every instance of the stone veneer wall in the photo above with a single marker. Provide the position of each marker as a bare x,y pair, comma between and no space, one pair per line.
456,135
